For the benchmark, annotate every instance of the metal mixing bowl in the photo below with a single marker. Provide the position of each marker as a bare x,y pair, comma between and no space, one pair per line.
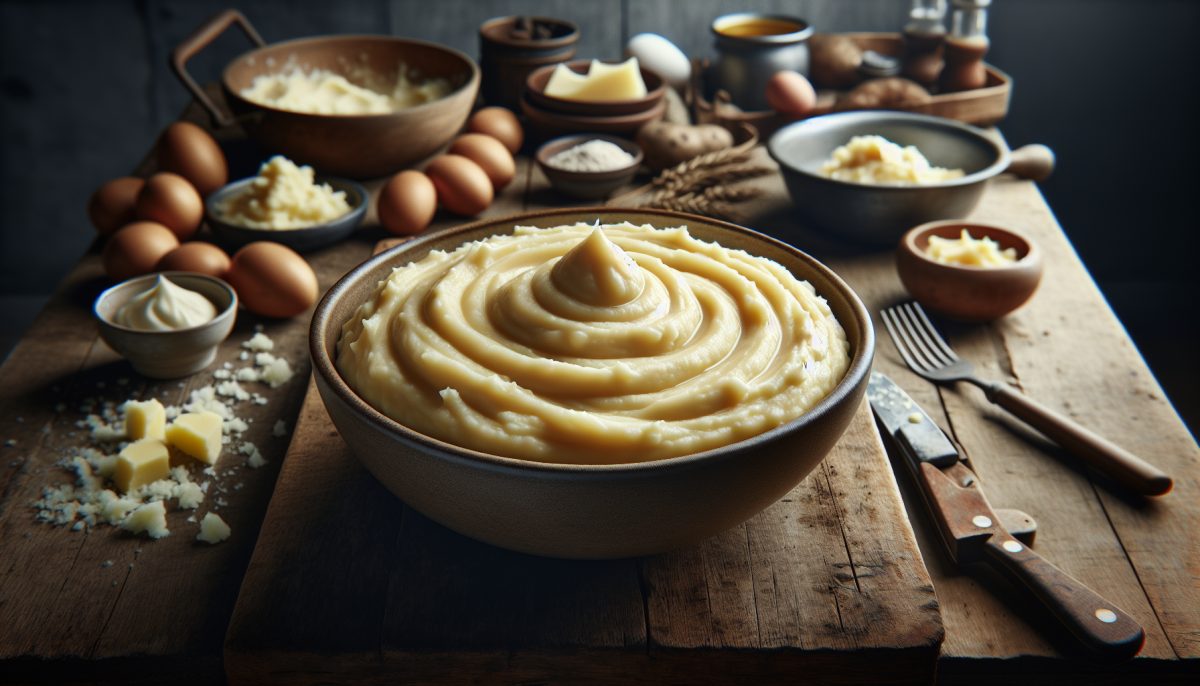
874,214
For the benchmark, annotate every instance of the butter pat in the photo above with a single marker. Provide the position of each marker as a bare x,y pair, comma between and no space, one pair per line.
145,420
213,529
602,83
150,519
140,463
197,434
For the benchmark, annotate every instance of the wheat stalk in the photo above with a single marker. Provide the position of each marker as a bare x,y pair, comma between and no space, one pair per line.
714,201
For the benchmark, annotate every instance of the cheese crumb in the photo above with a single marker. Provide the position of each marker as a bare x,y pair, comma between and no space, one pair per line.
150,519
259,342
277,373
213,529
280,429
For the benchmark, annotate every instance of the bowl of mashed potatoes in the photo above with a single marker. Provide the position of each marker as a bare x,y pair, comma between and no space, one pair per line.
591,383
867,177
358,106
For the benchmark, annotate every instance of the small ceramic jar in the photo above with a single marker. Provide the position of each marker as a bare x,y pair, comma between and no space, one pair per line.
751,47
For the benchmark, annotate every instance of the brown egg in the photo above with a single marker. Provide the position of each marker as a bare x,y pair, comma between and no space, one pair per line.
204,258
135,249
273,280
500,124
490,154
462,186
172,201
790,94
407,202
111,206
191,152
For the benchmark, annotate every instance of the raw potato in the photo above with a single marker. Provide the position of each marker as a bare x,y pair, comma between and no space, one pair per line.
892,92
666,144
833,61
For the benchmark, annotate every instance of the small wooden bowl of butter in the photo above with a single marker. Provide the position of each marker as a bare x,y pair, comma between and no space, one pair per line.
967,270
167,324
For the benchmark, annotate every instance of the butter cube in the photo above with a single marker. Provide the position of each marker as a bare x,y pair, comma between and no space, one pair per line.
140,463
197,434
145,420
603,83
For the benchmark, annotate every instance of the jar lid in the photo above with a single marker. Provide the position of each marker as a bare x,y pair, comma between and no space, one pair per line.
876,65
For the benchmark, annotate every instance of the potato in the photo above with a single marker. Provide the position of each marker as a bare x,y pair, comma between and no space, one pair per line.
666,144
833,61
892,92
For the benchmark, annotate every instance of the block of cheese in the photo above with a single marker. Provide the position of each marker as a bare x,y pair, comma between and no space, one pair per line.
603,82
213,529
150,519
198,434
140,463
146,419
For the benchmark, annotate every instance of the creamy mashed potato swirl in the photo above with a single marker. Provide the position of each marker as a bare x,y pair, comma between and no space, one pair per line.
591,345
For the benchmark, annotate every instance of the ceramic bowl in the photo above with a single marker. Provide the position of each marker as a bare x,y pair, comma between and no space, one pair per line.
545,124
535,90
358,146
589,511
168,354
968,293
234,236
587,185
879,215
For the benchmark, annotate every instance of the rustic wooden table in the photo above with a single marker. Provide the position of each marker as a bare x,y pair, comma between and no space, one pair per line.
328,578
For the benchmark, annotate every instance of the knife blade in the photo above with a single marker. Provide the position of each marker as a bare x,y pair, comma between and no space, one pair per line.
973,535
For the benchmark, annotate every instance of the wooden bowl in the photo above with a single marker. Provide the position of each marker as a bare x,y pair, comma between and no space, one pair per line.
589,511
535,87
358,146
545,124
233,236
974,294
588,185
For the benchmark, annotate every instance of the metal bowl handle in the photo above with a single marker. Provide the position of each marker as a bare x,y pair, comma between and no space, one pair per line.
200,39
1034,162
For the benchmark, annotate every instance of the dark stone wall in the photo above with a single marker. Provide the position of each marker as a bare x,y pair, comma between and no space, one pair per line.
1108,84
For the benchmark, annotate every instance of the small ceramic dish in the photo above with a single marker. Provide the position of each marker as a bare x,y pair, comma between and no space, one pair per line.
535,90
300,240
968,293
168,354
587,185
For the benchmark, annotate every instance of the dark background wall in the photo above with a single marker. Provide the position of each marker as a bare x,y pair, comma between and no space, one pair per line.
1108,84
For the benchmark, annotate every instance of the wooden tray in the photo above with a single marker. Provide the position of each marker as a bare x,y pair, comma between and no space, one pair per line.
982,106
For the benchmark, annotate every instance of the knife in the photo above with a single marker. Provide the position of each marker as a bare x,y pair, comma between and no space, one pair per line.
973,535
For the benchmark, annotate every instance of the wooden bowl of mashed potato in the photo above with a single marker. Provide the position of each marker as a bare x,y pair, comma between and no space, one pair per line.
358,106
591,383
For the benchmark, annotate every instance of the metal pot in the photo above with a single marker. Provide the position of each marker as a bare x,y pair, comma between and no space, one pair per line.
879,215
751,47
359,146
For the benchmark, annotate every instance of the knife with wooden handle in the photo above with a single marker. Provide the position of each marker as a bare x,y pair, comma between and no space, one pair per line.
973,534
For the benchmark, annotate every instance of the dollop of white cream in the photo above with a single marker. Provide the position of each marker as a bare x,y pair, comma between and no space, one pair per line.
166,306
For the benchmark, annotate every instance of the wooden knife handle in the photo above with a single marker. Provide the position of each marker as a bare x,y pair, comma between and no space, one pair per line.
1109,458
1099,625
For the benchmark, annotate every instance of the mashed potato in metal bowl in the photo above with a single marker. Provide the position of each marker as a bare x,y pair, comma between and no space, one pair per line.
593,345
876,160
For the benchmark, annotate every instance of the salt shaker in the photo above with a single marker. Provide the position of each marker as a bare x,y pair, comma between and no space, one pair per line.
966,46
924,36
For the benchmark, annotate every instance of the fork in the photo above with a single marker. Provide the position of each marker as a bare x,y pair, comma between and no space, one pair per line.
926,353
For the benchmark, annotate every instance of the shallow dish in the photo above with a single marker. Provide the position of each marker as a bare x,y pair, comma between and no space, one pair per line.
168,354
546,124
968,293
301,240
584,184
589,511
535,90
874,214
360,146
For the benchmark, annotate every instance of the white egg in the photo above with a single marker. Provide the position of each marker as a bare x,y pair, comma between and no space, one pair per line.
660,56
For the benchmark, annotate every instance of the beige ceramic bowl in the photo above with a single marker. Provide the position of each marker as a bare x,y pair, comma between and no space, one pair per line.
968,293
168,354
583,511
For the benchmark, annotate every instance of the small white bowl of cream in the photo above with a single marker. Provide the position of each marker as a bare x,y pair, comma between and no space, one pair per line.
167,324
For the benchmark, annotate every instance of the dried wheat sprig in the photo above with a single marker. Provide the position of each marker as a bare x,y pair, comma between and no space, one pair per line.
714,201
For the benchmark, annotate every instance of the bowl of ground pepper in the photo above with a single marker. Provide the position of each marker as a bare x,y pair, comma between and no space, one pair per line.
589,166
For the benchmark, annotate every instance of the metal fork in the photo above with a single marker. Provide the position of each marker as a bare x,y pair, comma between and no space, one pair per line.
926,353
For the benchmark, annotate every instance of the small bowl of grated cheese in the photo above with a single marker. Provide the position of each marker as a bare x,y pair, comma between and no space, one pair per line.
589,166
967,270
286,203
